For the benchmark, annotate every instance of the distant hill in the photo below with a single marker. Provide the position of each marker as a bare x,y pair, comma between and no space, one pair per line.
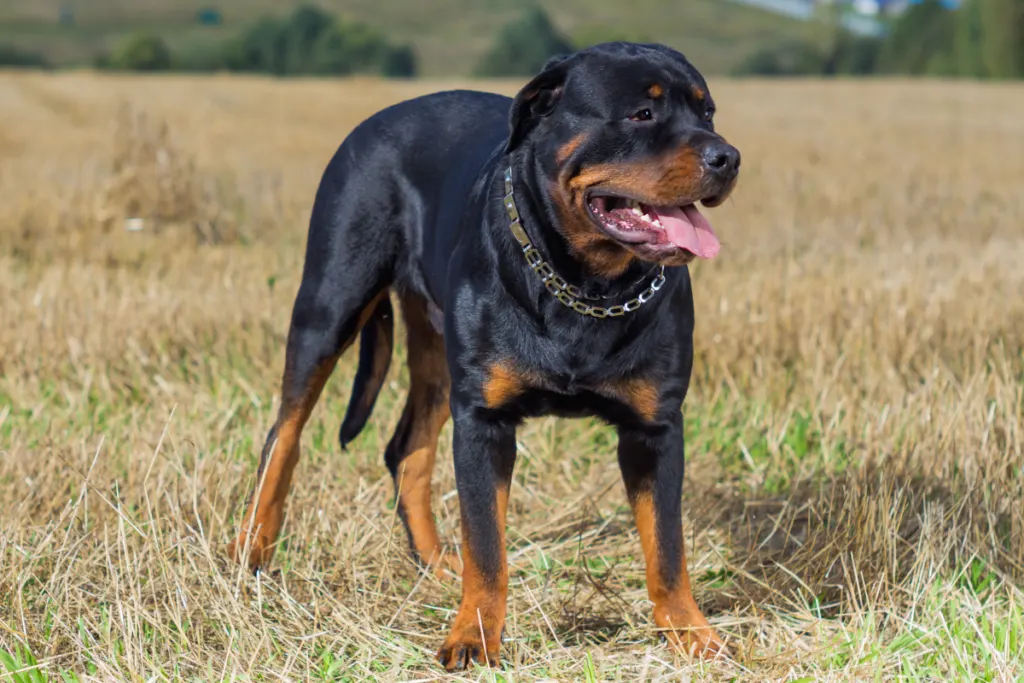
449,35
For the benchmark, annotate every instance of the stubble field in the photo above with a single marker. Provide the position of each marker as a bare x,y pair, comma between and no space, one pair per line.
854,499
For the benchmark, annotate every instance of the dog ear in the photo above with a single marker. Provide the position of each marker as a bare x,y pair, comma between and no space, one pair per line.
537,99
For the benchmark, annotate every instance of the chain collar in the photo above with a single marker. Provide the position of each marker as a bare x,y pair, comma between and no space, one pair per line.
570,295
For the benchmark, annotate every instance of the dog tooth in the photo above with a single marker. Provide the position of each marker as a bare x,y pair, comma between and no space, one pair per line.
637,211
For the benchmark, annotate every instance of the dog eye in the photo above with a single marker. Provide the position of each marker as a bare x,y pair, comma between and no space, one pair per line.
642,115
709,115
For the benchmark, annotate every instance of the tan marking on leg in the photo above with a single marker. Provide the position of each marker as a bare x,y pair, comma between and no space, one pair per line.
640,394
265,513
428,407
674,608
484,602
414,496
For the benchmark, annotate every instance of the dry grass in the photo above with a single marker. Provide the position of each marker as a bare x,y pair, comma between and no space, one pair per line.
854,493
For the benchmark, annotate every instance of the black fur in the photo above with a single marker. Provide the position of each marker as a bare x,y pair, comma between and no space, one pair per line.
412,202
376,339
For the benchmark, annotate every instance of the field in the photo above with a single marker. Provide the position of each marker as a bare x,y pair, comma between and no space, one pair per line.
449,35
854,500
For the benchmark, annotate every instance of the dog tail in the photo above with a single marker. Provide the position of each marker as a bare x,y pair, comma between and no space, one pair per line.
376,342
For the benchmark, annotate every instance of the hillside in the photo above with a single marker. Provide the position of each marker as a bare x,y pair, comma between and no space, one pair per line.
449,35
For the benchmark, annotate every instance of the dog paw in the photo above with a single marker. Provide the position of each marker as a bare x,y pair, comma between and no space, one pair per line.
689,633
464,647
255,557
700,642
459,655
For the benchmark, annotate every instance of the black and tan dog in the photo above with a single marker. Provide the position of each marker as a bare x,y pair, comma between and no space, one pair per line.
538,249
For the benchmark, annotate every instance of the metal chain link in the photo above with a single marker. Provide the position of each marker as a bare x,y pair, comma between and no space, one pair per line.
566,293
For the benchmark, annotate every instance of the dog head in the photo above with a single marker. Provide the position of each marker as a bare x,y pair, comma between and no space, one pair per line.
623,137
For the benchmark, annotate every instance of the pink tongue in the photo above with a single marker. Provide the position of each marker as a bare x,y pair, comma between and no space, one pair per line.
688,229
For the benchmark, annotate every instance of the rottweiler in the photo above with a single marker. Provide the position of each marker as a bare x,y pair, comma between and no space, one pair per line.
538,249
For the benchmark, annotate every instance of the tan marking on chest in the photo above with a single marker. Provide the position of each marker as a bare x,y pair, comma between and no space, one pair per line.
504,382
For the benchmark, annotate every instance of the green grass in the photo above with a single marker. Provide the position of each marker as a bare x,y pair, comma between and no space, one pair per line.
20,665
449,35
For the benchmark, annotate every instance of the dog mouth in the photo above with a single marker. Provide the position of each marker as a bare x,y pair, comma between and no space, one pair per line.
656,227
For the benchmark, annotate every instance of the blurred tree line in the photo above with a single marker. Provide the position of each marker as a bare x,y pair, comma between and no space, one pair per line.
15,57
309,41
980,39
523,46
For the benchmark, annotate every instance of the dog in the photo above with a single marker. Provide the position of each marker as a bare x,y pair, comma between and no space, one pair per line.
538,248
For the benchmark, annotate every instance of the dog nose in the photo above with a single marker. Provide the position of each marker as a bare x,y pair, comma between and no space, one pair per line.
721,158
